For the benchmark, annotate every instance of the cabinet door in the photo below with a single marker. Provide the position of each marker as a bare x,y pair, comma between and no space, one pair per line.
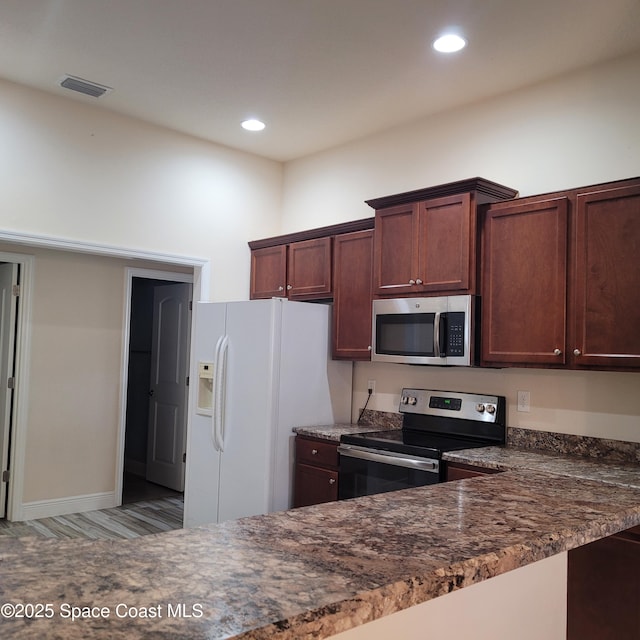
309,269
524,275
268,272
395,250
603,589
607,279
352,271
446,253
314,485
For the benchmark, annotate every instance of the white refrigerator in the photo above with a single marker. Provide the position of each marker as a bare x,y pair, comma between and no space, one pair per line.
259,368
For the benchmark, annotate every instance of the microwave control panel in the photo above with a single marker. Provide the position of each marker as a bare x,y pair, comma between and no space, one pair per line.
455,333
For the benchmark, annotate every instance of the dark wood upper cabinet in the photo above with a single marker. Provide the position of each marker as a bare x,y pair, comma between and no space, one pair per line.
298,266
268,272
606,324
560,279
352,269
425,241
309,269
524,286
299,271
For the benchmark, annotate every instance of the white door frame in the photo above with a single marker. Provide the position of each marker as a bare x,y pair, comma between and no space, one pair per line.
18,437
201,279
149,274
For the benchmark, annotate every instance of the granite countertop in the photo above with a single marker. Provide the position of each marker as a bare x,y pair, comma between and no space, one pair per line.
512,458
309,572
332,432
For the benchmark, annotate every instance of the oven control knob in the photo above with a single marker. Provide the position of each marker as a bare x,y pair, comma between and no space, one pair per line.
480,408
405,399
491,408
413,401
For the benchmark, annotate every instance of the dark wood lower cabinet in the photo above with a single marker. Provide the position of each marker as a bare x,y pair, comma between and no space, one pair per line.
316,472
459,471
603,590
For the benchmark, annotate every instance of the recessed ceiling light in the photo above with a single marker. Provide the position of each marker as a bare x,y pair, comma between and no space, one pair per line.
449,43
253,125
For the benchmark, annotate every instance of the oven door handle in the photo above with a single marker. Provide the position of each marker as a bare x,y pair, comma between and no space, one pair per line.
385,458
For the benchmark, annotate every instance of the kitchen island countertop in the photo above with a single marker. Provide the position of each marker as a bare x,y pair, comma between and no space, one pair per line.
309,572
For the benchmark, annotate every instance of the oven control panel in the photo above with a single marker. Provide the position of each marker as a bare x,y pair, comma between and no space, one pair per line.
463,406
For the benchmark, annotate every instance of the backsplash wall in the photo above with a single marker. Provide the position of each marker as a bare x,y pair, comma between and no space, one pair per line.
600,404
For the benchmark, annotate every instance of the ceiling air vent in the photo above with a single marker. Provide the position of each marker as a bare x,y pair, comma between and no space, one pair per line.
84,86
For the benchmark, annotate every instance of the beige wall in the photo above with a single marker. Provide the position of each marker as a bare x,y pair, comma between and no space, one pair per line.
71,170
577,130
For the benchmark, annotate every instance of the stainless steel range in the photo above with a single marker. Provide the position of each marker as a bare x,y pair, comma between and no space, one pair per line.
433,422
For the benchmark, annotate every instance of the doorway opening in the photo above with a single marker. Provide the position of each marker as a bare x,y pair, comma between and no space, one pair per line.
157,385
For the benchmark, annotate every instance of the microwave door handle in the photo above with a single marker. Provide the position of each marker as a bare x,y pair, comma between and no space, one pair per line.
441,335
436,335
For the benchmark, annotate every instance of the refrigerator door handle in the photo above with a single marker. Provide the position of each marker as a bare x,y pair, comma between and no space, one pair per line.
222,389
215,414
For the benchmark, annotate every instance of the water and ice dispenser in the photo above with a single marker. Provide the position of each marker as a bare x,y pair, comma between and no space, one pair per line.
205,388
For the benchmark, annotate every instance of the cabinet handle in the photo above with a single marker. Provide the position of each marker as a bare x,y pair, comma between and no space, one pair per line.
280,288
314,452
418,281
289,287
557,352
412,281
577,352
369,348
332,480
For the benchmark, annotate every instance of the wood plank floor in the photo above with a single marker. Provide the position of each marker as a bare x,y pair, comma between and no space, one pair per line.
128,521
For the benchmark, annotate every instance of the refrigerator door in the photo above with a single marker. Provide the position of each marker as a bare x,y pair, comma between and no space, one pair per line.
253,331
202,476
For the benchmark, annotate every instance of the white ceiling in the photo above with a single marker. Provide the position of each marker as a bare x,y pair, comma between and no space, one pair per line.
318,72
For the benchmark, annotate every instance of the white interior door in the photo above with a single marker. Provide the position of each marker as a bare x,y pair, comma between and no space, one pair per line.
8,311
168,385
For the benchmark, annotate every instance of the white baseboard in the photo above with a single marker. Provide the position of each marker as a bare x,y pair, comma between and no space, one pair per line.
64,506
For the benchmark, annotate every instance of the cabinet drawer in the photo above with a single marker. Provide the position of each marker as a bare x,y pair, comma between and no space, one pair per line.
316,452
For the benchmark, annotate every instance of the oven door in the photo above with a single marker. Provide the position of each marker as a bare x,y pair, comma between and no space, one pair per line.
364,471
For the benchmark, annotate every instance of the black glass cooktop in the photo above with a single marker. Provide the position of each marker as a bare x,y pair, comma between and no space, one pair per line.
418,443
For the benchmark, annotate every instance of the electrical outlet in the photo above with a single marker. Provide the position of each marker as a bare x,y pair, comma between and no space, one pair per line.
524,401
371,385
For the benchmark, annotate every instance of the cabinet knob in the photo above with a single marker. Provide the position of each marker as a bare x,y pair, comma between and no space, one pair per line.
280,288
412,281
418,281
289,287
314,452
332,480
557,352
369,348
577,352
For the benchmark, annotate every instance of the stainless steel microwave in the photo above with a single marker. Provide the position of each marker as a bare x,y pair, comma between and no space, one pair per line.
429,331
